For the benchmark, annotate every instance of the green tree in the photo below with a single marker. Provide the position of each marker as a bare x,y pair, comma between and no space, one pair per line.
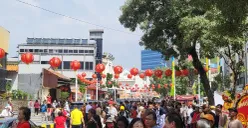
174,27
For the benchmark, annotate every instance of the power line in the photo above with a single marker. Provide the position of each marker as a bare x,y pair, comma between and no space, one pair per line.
83,21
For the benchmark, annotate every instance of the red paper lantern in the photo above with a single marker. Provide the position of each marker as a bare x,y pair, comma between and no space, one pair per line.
75,65
103,76
117,76
149,72
94,76
118,69
168,72
159,86
55,62
100,68
136,85
119,83
165,85
129,76
142,75
178,73
2,53
134,71
27,58
83,74
153,86
127,84
158,73
185,72
109,82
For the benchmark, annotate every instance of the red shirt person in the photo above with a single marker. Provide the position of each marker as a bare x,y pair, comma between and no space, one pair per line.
49,99
24,117
60,120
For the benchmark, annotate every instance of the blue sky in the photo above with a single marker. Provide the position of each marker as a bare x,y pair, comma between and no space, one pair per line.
25,21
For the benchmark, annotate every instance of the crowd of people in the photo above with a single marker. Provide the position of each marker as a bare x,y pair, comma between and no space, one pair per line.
151,114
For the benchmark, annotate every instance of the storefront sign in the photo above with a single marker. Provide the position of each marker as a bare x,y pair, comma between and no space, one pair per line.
242,107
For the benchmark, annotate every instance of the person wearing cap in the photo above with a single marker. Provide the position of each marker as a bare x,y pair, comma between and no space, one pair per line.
234,122
122,112
112,110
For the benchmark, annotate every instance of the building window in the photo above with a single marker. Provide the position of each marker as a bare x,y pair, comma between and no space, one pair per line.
44,62
26,50
61,40
66,64
88,65
60,51
21,50
69,41
65,51
36,50
82,65
31,50
45,40
75,51
76,40
50,50
91,51
86,51
81,51
45,50
41,50
70,51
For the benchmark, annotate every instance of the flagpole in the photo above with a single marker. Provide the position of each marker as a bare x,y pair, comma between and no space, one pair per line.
173,78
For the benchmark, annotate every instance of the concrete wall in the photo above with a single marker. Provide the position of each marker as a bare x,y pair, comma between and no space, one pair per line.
14,79
4,39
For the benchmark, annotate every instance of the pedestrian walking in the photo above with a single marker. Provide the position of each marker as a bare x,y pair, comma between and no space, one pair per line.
77,119
36,107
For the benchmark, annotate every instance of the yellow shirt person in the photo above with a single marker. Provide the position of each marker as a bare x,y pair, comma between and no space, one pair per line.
76,117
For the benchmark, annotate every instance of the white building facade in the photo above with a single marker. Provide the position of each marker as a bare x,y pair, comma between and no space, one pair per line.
43,49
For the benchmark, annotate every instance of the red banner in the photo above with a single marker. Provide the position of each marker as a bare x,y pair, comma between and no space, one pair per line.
242,107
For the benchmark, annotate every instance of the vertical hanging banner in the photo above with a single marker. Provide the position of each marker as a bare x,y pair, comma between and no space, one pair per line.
218,64
172,91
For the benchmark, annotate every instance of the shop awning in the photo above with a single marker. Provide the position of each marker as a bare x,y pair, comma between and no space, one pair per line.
12,67
51,78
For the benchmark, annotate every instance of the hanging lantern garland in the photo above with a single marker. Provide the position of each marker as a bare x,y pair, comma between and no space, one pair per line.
149,72
142,75
27,58
134,71
100,68
75,65
55,62
158,73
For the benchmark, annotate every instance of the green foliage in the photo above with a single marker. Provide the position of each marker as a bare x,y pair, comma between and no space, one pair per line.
8,86
221,83
173,27
109,79
64,95
181,83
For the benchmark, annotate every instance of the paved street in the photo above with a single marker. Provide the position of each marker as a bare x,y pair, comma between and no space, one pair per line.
37,119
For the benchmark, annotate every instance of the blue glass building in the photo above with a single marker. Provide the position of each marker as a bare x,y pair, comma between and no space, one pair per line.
152,60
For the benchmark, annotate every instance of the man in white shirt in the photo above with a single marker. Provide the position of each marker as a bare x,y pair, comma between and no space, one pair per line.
112,111
189,118
183,112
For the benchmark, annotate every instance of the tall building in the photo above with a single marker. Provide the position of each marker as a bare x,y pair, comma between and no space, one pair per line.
96,35
31,77
4,44
152,60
